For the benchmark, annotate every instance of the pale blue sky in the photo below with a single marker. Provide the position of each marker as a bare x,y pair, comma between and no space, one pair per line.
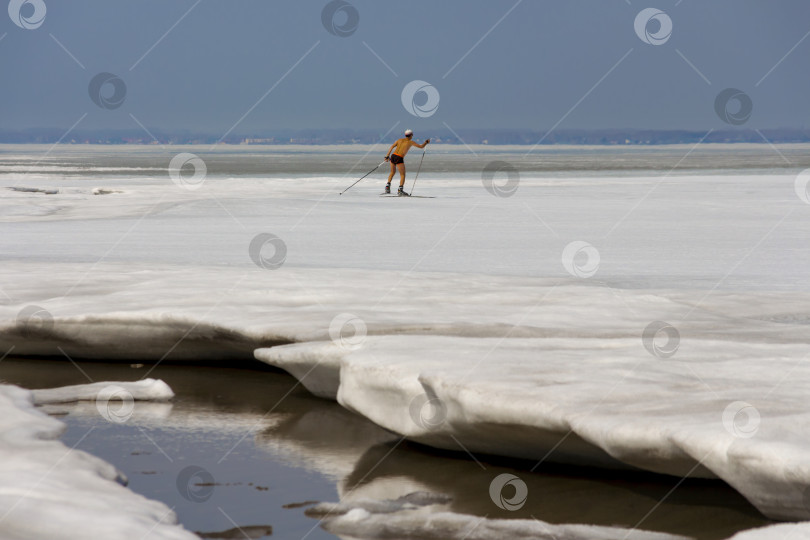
538,68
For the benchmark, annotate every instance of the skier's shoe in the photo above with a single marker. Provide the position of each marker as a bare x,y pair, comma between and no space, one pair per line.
388,188
401,192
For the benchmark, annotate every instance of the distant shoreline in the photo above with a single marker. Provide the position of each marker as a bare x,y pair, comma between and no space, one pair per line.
446,147
349,137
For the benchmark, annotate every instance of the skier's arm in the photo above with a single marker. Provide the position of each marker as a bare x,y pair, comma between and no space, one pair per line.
424,144
388,154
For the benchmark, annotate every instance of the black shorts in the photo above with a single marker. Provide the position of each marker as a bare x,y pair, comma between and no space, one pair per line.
396,160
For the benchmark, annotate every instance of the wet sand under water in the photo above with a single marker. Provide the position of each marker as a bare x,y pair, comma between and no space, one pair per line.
242,448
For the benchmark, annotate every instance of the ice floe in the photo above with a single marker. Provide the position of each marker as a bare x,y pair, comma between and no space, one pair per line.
48,490
783,531
721,409
143,390
518,366
411,516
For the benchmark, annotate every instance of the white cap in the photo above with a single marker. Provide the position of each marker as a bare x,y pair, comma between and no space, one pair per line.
408,132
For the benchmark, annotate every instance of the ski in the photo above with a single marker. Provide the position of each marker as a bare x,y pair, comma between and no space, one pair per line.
406,196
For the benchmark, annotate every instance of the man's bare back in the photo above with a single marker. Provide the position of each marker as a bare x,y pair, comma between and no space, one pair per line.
401,146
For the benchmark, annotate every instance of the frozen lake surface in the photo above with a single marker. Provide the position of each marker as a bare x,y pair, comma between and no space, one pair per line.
636,309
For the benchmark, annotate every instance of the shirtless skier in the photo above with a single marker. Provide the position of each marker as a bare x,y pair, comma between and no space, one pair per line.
397,159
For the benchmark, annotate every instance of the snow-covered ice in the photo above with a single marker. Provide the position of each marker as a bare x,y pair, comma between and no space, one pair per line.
48,490
529,398
412,516
784,531
143,390
459,320
555,366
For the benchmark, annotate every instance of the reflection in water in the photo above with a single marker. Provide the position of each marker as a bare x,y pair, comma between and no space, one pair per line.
143,412
556,494
267,445
247,532
328,439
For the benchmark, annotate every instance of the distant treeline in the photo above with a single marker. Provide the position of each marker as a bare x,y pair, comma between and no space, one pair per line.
469,136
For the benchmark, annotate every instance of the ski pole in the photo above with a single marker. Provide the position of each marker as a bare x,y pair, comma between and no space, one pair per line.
417,170
368,173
